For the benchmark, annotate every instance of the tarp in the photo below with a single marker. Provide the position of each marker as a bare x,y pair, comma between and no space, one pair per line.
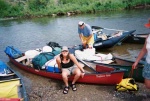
9,89
92,57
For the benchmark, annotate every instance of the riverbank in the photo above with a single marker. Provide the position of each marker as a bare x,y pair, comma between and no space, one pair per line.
41,8
51,90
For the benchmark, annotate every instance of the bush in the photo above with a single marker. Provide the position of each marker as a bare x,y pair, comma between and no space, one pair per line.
47,7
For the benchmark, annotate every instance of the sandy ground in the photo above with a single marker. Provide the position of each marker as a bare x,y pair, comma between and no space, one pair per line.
45,89
51,90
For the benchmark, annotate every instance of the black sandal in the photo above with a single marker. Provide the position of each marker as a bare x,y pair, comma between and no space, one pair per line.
73,87
66,89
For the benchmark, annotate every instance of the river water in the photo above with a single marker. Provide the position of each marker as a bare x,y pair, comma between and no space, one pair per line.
27,34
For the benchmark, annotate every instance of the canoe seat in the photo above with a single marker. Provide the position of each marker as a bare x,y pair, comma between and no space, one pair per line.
21,58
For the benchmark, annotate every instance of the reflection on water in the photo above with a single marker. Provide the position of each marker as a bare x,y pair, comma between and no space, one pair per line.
127,50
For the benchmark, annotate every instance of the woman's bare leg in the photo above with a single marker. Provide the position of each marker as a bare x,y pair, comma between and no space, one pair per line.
65,77
77,73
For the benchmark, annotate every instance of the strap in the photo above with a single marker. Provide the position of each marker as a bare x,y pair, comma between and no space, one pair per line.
131,73
45,53
55,67
50,53
12,48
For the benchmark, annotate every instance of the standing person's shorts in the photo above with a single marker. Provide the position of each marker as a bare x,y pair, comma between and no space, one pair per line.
90,41
146,71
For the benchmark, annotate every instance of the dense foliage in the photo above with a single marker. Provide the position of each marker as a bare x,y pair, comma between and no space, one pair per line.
31,8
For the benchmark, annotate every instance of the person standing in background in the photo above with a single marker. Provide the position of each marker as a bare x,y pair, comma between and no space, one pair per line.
85,34
145,50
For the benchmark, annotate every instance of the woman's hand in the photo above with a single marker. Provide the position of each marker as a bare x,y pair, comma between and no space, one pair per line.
82,74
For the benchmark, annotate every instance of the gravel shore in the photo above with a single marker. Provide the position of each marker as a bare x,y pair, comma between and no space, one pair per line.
45,89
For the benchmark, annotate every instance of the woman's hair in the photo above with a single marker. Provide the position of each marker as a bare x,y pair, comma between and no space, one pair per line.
61,57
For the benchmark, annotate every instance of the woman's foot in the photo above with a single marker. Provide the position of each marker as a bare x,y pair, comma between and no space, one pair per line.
73,86
66,89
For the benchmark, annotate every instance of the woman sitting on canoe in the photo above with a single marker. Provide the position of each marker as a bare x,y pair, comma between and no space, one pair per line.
145,50
69,65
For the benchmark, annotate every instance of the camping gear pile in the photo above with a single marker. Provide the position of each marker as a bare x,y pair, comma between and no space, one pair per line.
37,58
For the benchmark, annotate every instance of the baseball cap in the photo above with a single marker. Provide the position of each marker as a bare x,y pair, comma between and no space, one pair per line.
147,25
64,48
81,23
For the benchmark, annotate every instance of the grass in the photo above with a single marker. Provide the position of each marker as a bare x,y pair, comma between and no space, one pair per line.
30,8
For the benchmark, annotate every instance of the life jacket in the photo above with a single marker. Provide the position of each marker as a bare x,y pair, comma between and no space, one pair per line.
127,84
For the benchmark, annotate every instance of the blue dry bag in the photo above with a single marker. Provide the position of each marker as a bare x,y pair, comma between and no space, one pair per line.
13,52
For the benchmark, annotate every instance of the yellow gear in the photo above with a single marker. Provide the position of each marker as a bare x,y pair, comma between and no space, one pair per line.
127,84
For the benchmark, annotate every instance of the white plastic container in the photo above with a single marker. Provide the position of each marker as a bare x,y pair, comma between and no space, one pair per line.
30,54
47,49
89,51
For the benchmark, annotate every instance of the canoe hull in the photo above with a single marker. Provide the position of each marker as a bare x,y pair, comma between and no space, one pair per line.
109,78
136,38
14,76
111,42
127,65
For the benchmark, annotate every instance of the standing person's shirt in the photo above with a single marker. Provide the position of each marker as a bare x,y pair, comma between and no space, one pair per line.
86,31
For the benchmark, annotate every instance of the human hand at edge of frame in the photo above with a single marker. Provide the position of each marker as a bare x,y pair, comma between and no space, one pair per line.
134,66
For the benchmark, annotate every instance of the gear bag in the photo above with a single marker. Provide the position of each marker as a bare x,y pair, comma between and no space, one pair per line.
13,52
39,60
53,44
127,84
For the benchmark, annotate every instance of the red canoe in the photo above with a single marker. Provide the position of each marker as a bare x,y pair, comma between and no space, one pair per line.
106,75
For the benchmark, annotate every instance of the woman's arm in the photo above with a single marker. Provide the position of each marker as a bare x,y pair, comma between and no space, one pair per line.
72,57
58,62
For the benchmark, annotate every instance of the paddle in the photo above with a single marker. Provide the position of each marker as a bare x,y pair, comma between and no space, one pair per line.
86,65
100,61
97,27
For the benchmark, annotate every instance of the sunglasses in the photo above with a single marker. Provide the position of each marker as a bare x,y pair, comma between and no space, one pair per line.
65,51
